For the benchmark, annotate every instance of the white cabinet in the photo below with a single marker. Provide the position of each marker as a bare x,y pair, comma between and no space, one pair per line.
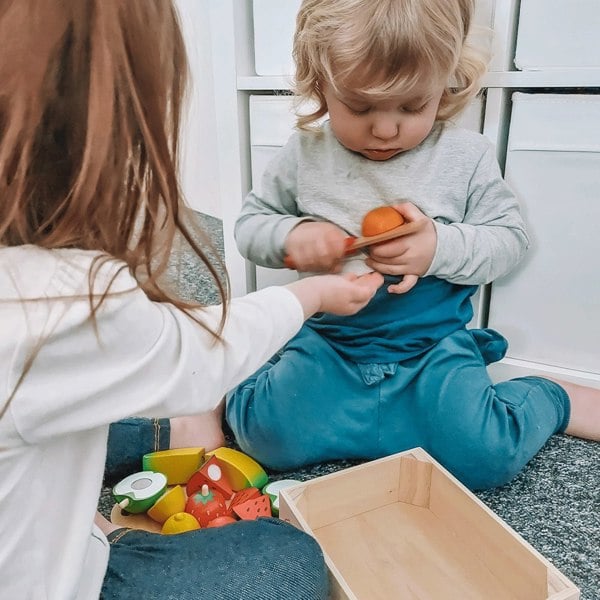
274,22
558,34
550,318
549,307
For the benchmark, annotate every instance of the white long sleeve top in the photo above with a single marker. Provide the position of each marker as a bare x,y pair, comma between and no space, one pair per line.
146,359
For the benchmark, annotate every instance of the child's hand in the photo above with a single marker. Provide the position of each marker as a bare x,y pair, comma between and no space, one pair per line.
316,246
336,294
410,255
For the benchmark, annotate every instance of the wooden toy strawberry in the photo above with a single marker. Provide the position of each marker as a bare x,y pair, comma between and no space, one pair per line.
206,505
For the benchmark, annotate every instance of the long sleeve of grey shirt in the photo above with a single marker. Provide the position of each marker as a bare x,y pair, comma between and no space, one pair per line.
452,176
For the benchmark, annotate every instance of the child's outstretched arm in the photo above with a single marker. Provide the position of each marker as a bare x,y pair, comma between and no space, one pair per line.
336,294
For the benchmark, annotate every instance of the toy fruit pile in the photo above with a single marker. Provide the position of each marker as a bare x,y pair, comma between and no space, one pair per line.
186,489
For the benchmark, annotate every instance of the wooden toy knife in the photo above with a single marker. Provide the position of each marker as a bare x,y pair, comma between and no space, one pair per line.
356,243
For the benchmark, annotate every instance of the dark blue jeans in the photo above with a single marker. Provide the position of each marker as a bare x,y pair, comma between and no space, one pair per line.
249,560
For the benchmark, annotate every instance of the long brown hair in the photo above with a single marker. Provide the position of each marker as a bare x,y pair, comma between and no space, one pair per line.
91,95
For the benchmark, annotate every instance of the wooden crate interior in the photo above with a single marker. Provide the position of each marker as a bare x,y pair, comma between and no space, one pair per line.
400,527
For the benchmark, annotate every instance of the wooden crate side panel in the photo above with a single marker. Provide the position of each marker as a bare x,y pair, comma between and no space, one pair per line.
292,504
482,532
338,588
350,492
414,484
561,587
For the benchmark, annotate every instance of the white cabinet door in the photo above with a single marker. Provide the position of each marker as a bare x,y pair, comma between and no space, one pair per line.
549,308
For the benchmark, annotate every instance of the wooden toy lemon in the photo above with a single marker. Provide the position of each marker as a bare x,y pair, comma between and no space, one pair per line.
380,220
170,503
180,523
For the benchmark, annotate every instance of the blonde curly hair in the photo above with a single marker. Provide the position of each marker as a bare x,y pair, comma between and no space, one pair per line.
379,46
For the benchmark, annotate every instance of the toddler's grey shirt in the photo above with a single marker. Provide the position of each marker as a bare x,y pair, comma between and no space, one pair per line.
452,176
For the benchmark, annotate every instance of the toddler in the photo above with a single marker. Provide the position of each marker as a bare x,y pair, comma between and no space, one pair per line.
405,371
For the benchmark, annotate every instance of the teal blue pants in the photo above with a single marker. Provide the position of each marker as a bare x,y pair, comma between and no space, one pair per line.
308,405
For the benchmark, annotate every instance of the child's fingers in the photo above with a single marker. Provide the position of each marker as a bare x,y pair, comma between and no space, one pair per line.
409,211
407,283
372,281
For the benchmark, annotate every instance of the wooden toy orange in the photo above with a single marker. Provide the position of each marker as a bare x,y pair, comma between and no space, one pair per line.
381,219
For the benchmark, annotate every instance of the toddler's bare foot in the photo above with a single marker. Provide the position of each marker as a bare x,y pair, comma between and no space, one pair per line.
585,411
198,430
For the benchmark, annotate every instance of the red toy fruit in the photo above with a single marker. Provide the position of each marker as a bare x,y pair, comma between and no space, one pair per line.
206,505
253,508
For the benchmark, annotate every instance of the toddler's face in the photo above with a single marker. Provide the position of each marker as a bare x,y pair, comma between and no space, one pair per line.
382,128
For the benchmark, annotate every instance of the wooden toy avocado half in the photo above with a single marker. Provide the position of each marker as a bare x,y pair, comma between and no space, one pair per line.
138,492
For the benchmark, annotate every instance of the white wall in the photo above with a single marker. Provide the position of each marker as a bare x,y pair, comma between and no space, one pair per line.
199,164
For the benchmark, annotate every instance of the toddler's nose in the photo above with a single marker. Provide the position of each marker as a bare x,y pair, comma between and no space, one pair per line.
385,127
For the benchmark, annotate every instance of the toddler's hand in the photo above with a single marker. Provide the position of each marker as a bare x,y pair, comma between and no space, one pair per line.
410,255
316,246
337,294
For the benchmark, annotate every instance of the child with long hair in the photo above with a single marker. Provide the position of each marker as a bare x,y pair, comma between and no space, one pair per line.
90,104
405,371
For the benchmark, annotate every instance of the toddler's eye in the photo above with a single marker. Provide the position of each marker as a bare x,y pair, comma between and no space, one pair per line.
359,111
415,109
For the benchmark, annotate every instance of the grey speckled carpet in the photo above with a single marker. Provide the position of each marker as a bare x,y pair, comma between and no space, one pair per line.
554,503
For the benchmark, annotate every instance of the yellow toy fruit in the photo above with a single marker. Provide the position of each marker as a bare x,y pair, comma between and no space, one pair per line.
240,470
180,523
178,464
171,502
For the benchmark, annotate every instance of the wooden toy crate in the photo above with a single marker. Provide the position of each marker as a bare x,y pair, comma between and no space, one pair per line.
403,528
